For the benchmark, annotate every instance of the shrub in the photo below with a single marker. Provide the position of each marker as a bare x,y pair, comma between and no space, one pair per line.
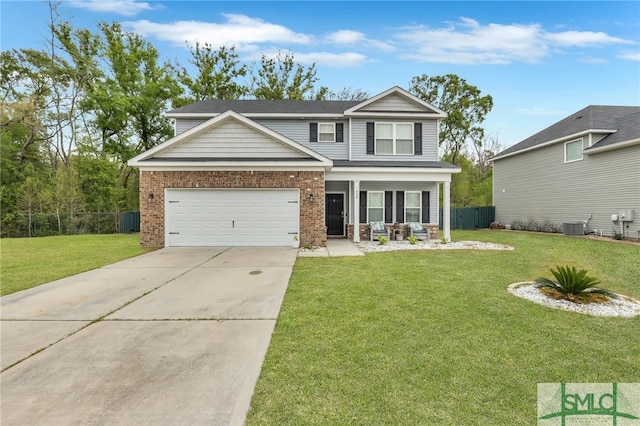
382,240
534,226
556,228
412,239
573,285
518,225
547,226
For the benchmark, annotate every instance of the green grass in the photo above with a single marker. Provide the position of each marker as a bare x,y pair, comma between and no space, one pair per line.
433,337
29,262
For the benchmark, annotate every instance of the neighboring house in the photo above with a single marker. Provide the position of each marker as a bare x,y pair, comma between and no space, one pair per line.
268,173
583,169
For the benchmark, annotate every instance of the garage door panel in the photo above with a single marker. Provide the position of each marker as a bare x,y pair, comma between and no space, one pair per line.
253,217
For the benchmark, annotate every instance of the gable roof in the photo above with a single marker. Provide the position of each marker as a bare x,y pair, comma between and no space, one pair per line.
395,101
279,149
619,123
254,106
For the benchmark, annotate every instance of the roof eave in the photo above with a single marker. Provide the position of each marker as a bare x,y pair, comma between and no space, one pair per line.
552,142
288,115
230,165
618,145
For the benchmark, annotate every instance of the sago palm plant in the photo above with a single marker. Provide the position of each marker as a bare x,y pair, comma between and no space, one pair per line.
573,285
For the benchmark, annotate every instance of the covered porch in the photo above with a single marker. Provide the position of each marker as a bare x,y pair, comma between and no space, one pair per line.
357,196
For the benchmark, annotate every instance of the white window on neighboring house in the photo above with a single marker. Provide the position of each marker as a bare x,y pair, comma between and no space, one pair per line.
394,138
412,206
326,132
573,151
375,206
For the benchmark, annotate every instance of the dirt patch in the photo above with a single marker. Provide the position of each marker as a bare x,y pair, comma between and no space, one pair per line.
632,241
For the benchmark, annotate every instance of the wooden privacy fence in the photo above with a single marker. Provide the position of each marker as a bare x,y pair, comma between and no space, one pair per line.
471,217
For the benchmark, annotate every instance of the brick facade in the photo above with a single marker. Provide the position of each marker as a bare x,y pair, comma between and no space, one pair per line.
434,231
312,228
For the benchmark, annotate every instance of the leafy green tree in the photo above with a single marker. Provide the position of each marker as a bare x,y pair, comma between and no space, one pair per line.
465,106
99,182
65,194
470,187
346,94
282,78
29,198
216,78
128,95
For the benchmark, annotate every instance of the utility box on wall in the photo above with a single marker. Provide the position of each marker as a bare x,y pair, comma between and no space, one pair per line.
626,215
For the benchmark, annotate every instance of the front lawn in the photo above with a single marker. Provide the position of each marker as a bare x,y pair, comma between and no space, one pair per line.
29,262
433,337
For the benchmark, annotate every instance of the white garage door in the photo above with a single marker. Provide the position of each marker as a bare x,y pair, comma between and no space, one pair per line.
231,217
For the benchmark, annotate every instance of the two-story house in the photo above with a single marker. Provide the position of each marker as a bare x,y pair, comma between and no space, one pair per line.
270,172
583,170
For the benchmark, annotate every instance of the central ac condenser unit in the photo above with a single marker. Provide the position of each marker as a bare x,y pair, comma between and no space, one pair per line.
573,228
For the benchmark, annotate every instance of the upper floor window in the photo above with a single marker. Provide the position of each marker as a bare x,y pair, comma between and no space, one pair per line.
573,151
394,138
326,132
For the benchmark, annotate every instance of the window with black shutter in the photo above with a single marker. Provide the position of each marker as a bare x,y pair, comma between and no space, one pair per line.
371,148
399,206
425,207
313,132
339,132
388,206
417,138
363,206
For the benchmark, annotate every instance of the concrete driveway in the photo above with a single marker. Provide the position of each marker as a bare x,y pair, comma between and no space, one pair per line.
172,337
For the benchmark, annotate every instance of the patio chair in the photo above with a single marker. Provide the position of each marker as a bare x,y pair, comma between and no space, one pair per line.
417,230
377,229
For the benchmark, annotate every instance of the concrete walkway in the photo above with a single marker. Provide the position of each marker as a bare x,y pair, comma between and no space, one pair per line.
335,247
172,337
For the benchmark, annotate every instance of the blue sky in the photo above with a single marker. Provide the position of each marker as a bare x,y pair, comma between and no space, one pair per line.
540,61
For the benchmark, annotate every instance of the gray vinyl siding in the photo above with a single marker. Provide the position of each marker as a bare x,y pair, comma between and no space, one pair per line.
182,125
538,185
232,139
407,186
393,103
429,141
298,131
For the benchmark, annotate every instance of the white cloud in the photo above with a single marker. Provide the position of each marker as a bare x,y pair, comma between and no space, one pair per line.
469,42
351,38
334,60
593,60
122,7
241,31
630,56
582,38
346,37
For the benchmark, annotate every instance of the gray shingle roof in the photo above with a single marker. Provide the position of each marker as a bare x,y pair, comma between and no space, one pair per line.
414,164
624,119
266,106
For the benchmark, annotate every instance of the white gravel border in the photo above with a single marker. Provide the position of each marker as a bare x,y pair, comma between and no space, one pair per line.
623,306
374,246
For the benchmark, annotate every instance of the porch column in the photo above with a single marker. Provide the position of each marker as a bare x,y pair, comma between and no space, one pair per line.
356,211
446,211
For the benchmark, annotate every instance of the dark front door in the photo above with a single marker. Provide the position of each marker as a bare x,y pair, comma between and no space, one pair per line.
334,214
